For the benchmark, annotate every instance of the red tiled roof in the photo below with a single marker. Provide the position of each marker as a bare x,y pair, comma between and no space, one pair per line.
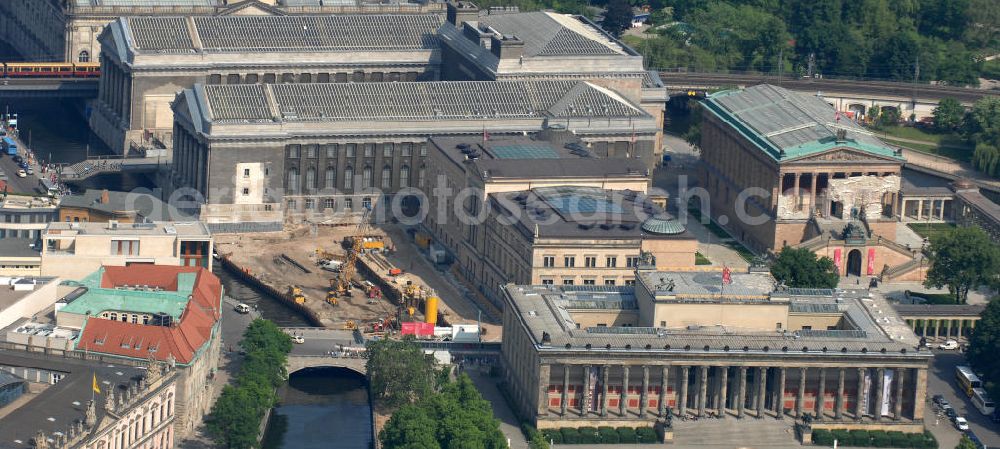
135,340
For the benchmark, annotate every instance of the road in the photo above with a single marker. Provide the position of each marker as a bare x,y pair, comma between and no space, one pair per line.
941,380
15,184
320,341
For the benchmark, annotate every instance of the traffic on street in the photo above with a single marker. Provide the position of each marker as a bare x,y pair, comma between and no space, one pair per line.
952,410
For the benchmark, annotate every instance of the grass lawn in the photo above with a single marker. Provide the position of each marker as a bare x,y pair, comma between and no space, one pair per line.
911,132
700,259
929,230
936,298
948,145
729,242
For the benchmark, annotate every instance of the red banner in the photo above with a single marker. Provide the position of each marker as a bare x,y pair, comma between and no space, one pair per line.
836,259
871,261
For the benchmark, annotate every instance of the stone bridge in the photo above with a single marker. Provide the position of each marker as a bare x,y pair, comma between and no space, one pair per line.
300,362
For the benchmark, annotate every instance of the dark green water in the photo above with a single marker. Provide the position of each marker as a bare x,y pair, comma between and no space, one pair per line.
321,408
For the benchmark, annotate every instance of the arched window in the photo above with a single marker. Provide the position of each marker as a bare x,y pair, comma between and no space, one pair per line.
348,177
404,176
386,177
84,56
366,177
293,180
310,179
331,178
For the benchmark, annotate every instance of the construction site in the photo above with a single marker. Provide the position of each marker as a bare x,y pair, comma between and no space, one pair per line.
376,279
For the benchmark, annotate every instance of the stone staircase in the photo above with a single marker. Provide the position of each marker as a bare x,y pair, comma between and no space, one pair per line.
732,433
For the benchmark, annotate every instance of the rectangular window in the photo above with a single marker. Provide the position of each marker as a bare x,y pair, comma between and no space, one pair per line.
546,281
632,262
630,282
612,261
549,261
590,261
246,191
569,261
406,149
293,151
609,282
311,151
423,149
387,150
310,203
588,282
331,151
246,172
369,150
567,282
124,247
351,150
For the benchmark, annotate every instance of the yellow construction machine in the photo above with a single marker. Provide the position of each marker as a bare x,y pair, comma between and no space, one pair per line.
342,284
296,294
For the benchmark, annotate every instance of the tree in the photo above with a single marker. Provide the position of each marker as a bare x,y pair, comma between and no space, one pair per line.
799,267
948,115
398,371
984,344
410,428
962,259
983,123
617,17
966,443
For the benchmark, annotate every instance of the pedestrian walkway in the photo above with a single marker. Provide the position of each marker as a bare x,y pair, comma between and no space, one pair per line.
508,422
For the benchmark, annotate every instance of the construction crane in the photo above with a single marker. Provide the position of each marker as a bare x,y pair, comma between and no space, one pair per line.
342,284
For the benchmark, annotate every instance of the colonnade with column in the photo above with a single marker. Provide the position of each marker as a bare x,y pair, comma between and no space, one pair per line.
605,391
925,209
795,182
943,328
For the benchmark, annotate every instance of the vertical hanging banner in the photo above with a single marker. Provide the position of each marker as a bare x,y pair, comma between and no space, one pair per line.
887,376
871,261
836,259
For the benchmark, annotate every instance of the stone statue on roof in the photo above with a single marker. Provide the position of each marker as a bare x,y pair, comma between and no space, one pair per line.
90,419
109,401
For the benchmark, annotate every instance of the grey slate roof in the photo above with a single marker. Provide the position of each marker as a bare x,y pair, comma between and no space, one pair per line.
451,100
236,33
789,124
11,247
147,206
939,309
550,34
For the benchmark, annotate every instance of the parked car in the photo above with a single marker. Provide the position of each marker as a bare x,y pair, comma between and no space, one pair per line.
939,400
29,170
298,339
242,308
23,165
331,265
960,423
21,173
17,159
950,412
949,345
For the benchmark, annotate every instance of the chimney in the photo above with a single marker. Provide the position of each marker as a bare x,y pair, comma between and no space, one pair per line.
474,34
507,47
105,197
460,12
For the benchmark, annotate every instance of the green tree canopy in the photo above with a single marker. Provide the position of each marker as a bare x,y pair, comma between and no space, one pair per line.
962,259
966,443
617,17
948,115
984,344
399,373
799,267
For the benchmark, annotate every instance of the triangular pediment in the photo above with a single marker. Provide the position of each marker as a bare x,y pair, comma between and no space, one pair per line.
251,8
843,155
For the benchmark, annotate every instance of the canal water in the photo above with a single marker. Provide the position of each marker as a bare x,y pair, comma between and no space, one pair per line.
319,405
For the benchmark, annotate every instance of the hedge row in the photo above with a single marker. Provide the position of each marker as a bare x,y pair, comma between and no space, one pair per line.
600,435
874,438
535,438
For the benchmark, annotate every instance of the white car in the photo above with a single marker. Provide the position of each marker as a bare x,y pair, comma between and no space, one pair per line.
331,265
961,423
949,345
22,174
298,339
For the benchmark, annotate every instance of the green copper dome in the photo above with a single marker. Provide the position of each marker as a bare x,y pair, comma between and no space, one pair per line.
662,225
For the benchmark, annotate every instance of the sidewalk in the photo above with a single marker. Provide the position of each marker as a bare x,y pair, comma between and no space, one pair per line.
508,422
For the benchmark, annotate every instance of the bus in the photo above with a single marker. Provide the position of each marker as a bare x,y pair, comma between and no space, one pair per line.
9,146
967,380
982,401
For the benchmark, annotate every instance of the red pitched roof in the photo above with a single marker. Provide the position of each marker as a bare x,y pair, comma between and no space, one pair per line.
182,339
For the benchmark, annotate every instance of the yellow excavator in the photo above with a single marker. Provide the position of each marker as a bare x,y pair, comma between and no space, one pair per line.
296,294
342,284
332,294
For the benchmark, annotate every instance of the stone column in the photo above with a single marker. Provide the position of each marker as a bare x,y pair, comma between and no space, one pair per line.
644,394
897,408
920,394
795,193
563,403
702,389
761,390
584,408
800,398
780,393
821,394
682,399
937,329
958,330
623,400
838,412
742,392
544,372
723,390
941,214
812,194
604,390
879,394
920,209
664,383
859,411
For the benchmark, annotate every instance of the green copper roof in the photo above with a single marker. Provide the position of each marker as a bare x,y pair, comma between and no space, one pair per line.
788,125
98,299
662,225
